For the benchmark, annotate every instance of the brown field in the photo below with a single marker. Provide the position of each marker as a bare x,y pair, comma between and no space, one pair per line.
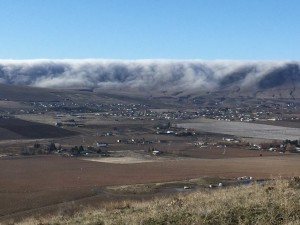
12,128
292,124
35,185
32,183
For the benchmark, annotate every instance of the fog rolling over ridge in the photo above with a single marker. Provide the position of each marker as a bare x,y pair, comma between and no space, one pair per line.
180,75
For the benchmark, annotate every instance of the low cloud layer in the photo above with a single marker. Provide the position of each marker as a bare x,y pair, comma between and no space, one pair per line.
155,74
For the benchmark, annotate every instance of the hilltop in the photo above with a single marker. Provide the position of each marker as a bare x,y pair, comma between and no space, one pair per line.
275,202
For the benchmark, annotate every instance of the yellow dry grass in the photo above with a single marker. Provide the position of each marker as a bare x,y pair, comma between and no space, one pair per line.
275,202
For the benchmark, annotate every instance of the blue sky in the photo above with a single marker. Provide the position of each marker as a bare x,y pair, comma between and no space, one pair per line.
144,29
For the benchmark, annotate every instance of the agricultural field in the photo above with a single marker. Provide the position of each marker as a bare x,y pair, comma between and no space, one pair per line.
43,183
63,155
13,128
243,129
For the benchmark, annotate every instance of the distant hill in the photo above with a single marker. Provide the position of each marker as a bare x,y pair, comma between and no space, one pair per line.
148,79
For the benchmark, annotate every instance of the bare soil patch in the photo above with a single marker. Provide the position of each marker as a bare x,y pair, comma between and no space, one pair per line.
119,160
213,152
17,128
243,129
280,123
29,183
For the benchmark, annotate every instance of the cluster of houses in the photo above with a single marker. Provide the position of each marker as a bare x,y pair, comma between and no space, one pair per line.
260,111
100,149
281,147
137,111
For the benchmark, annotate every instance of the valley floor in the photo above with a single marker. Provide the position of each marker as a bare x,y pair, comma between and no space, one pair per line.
45,183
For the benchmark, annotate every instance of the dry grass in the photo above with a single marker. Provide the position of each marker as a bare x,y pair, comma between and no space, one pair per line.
133,189
277,202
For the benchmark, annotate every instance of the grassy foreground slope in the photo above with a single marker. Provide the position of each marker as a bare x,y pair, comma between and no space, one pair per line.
277,202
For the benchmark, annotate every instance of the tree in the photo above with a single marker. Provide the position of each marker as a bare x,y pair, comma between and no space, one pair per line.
52,147
75,150
37,145
81,149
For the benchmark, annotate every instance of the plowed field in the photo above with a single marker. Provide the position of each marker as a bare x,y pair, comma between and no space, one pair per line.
29,183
